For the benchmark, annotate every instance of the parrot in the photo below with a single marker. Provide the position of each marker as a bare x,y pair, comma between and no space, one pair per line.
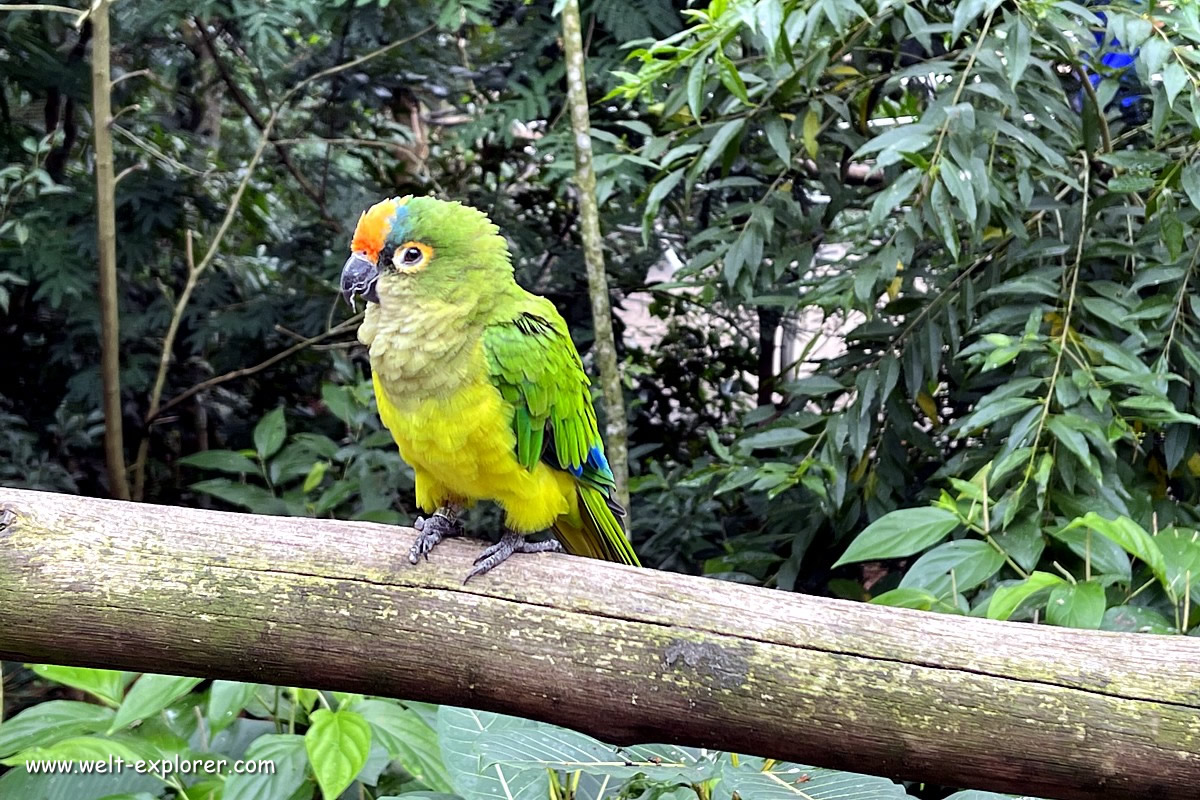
479,384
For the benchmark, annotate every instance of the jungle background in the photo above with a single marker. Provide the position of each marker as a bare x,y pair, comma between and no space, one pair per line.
905,313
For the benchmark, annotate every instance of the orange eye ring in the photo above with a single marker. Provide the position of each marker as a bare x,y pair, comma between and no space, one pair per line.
412,256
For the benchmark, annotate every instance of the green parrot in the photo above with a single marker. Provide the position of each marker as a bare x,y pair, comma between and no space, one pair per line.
480,385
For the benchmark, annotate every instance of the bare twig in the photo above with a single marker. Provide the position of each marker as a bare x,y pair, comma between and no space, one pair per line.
342,327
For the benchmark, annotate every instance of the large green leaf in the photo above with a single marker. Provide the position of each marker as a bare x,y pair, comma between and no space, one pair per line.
149,695
900,533
44,724
286,781
1132,538
226,699
1007,598
460,732
220,460
1076,605
269,433
407,738
106,684
1181,559
954,567
338,743
787,781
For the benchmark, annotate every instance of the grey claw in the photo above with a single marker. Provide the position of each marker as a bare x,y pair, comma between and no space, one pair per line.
431,531
509,543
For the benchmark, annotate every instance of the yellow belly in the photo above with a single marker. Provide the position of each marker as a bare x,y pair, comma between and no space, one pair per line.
463,449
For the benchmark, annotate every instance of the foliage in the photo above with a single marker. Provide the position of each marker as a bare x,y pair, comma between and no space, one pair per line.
1007,250
353,746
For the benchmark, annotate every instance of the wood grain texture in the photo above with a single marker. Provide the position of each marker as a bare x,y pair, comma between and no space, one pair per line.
626,655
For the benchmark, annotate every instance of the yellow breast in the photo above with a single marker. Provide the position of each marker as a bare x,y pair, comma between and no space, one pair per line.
462,446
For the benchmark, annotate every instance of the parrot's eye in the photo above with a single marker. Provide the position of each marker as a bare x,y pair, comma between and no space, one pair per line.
412,256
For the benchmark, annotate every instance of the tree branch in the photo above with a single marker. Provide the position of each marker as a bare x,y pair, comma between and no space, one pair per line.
342,327
625,654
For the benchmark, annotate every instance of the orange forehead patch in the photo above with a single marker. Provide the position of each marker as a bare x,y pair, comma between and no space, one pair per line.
374,226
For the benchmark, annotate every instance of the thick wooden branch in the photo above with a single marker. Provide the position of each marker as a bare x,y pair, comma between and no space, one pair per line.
627,655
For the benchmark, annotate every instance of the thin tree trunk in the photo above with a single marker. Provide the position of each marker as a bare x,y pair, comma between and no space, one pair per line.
616,429
110,341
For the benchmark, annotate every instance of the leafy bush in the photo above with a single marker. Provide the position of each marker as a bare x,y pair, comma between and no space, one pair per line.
351,746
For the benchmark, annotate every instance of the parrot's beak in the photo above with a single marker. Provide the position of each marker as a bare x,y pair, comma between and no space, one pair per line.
359,276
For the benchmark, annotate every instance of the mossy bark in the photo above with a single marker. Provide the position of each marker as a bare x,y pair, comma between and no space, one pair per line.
627,655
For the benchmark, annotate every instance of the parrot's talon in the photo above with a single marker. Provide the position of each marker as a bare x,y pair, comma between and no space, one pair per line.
509,543
431,531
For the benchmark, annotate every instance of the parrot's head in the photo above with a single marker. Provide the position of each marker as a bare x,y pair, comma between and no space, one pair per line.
412,250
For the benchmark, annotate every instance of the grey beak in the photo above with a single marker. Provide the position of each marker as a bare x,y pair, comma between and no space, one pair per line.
359,277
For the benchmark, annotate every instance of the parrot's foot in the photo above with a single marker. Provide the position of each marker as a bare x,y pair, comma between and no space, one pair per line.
432,530
509,543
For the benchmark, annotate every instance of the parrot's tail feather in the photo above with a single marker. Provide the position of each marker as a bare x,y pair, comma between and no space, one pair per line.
600,534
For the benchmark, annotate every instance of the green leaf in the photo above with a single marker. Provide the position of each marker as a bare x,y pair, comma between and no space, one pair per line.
220,460
1132,538
1006,599
460,732
1123,184
255,498
339,400
1135,619
409,739
1074,441
543,747
106,684
1190,179
1174,78
78,748
907,598
774,437
338,743
45,723
896,193
269,433
954,567
731,78
695,85
900,533
226,700
1106,556
788,781
1076,605
287,752
721,139
150,694
315,476
1016,50
1181,556
777,137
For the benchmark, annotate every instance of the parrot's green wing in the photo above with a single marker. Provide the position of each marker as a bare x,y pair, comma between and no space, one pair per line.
535,366
537,369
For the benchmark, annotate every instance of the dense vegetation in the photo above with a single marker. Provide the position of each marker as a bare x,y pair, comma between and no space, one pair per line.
932,340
